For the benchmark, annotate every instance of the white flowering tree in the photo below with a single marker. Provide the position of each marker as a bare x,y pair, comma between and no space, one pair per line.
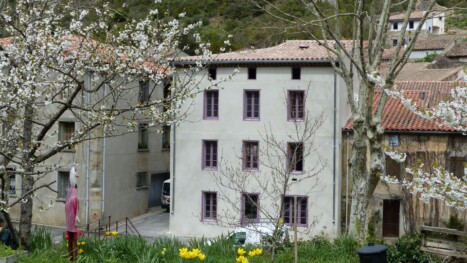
51,66
358,62
438,182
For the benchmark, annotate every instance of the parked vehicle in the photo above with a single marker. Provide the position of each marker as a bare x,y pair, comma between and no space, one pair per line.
165,196
259,234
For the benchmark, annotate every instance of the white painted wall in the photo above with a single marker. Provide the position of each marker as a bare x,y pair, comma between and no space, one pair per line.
230,130
122,162
418,54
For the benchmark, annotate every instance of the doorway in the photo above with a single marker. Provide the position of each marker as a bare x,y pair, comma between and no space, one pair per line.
155,188
391,218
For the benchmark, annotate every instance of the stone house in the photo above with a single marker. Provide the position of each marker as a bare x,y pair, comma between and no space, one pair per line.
396,210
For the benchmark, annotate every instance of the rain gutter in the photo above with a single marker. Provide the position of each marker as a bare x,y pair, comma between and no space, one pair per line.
334,152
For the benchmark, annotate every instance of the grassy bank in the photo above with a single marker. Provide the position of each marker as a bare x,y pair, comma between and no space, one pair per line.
118,249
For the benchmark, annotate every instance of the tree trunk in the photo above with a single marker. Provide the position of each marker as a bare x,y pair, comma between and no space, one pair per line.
359,174
368,136
25,220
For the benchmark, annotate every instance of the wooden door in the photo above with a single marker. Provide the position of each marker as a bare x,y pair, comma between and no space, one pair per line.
391,217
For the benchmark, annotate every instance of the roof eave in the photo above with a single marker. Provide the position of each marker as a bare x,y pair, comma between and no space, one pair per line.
249,61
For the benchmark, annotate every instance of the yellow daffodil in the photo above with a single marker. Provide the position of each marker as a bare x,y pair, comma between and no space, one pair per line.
114,233
202,257
252,253
183,252
241,251
83,243
242,259
107,233
80,250
164,250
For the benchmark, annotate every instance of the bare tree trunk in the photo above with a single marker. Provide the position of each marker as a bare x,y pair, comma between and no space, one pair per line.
25,220
359,176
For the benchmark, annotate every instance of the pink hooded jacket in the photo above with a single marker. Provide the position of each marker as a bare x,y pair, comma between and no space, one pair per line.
71,210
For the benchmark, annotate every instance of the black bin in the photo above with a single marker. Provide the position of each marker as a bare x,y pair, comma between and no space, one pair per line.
372,253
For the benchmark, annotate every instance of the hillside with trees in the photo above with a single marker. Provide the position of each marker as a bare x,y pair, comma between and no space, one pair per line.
249,25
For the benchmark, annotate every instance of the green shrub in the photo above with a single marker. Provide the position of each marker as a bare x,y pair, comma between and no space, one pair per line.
455,222
41,239
6,251
407,249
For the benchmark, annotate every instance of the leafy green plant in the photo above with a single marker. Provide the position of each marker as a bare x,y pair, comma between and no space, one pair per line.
41,239
375,218
6,251
407,249
455,222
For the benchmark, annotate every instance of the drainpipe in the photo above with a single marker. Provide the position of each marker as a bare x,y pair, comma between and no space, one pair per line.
334,153
347,184
173,147
88,157
103,166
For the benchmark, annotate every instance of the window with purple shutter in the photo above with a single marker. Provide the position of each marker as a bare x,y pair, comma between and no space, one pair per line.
301,212
295,157
251,105
296,105
250,208
211,104
209,206
209,154
250,155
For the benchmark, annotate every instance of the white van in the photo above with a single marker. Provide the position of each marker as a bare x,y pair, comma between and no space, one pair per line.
165,196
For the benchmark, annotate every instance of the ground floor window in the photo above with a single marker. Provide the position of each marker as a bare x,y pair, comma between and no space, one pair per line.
63,184
209,205
301,210
250,208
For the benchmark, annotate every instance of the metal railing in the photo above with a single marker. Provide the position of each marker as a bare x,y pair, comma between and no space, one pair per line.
99,228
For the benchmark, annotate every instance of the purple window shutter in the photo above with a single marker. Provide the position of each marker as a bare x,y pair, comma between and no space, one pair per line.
251,104
296,109
301,213
211,104
210,205
250,155
209,154
250,208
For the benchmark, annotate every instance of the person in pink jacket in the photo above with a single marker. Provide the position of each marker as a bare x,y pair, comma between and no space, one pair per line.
71,213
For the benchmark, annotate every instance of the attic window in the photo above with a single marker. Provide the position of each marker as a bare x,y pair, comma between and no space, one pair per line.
303,46
212,72
296,73
422,95
394,140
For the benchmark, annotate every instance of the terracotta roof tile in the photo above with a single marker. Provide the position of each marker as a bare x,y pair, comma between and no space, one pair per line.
458,50
291,50
426,94
434,43
415,15
420,72
6,41
98,49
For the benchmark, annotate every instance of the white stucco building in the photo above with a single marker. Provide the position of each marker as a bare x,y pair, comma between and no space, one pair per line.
274,90
118,176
